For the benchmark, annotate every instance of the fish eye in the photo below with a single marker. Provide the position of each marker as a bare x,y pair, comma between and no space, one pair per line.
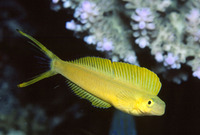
150,102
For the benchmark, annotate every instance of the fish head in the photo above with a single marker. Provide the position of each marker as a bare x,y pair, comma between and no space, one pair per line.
151,105
140,104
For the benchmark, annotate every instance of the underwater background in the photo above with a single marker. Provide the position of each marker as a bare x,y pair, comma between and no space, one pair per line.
49,107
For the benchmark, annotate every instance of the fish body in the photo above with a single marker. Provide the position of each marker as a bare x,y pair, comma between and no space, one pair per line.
129,88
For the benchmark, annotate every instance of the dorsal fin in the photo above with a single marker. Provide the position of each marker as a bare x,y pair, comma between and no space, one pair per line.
95,63
97,102
139,76
133,75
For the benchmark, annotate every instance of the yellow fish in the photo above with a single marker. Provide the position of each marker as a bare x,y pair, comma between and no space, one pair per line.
129,88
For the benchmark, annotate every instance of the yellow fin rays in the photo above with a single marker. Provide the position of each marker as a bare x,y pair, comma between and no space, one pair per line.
138,76
133,75
86,95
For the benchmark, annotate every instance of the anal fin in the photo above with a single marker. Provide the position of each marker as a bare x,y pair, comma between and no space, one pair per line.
97,102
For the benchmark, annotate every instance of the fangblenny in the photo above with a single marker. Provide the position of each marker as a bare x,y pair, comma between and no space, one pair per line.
129,88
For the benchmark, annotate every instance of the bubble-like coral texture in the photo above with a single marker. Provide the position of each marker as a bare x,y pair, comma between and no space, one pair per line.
118,28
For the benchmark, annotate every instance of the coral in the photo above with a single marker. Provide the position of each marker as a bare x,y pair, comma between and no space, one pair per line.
100,19
141,24
172,34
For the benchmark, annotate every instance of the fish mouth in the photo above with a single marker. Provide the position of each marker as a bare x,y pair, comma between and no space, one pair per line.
139,112
160,110
153,113
159,113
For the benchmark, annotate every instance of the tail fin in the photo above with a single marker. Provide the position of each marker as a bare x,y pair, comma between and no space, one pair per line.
47,52
37,78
